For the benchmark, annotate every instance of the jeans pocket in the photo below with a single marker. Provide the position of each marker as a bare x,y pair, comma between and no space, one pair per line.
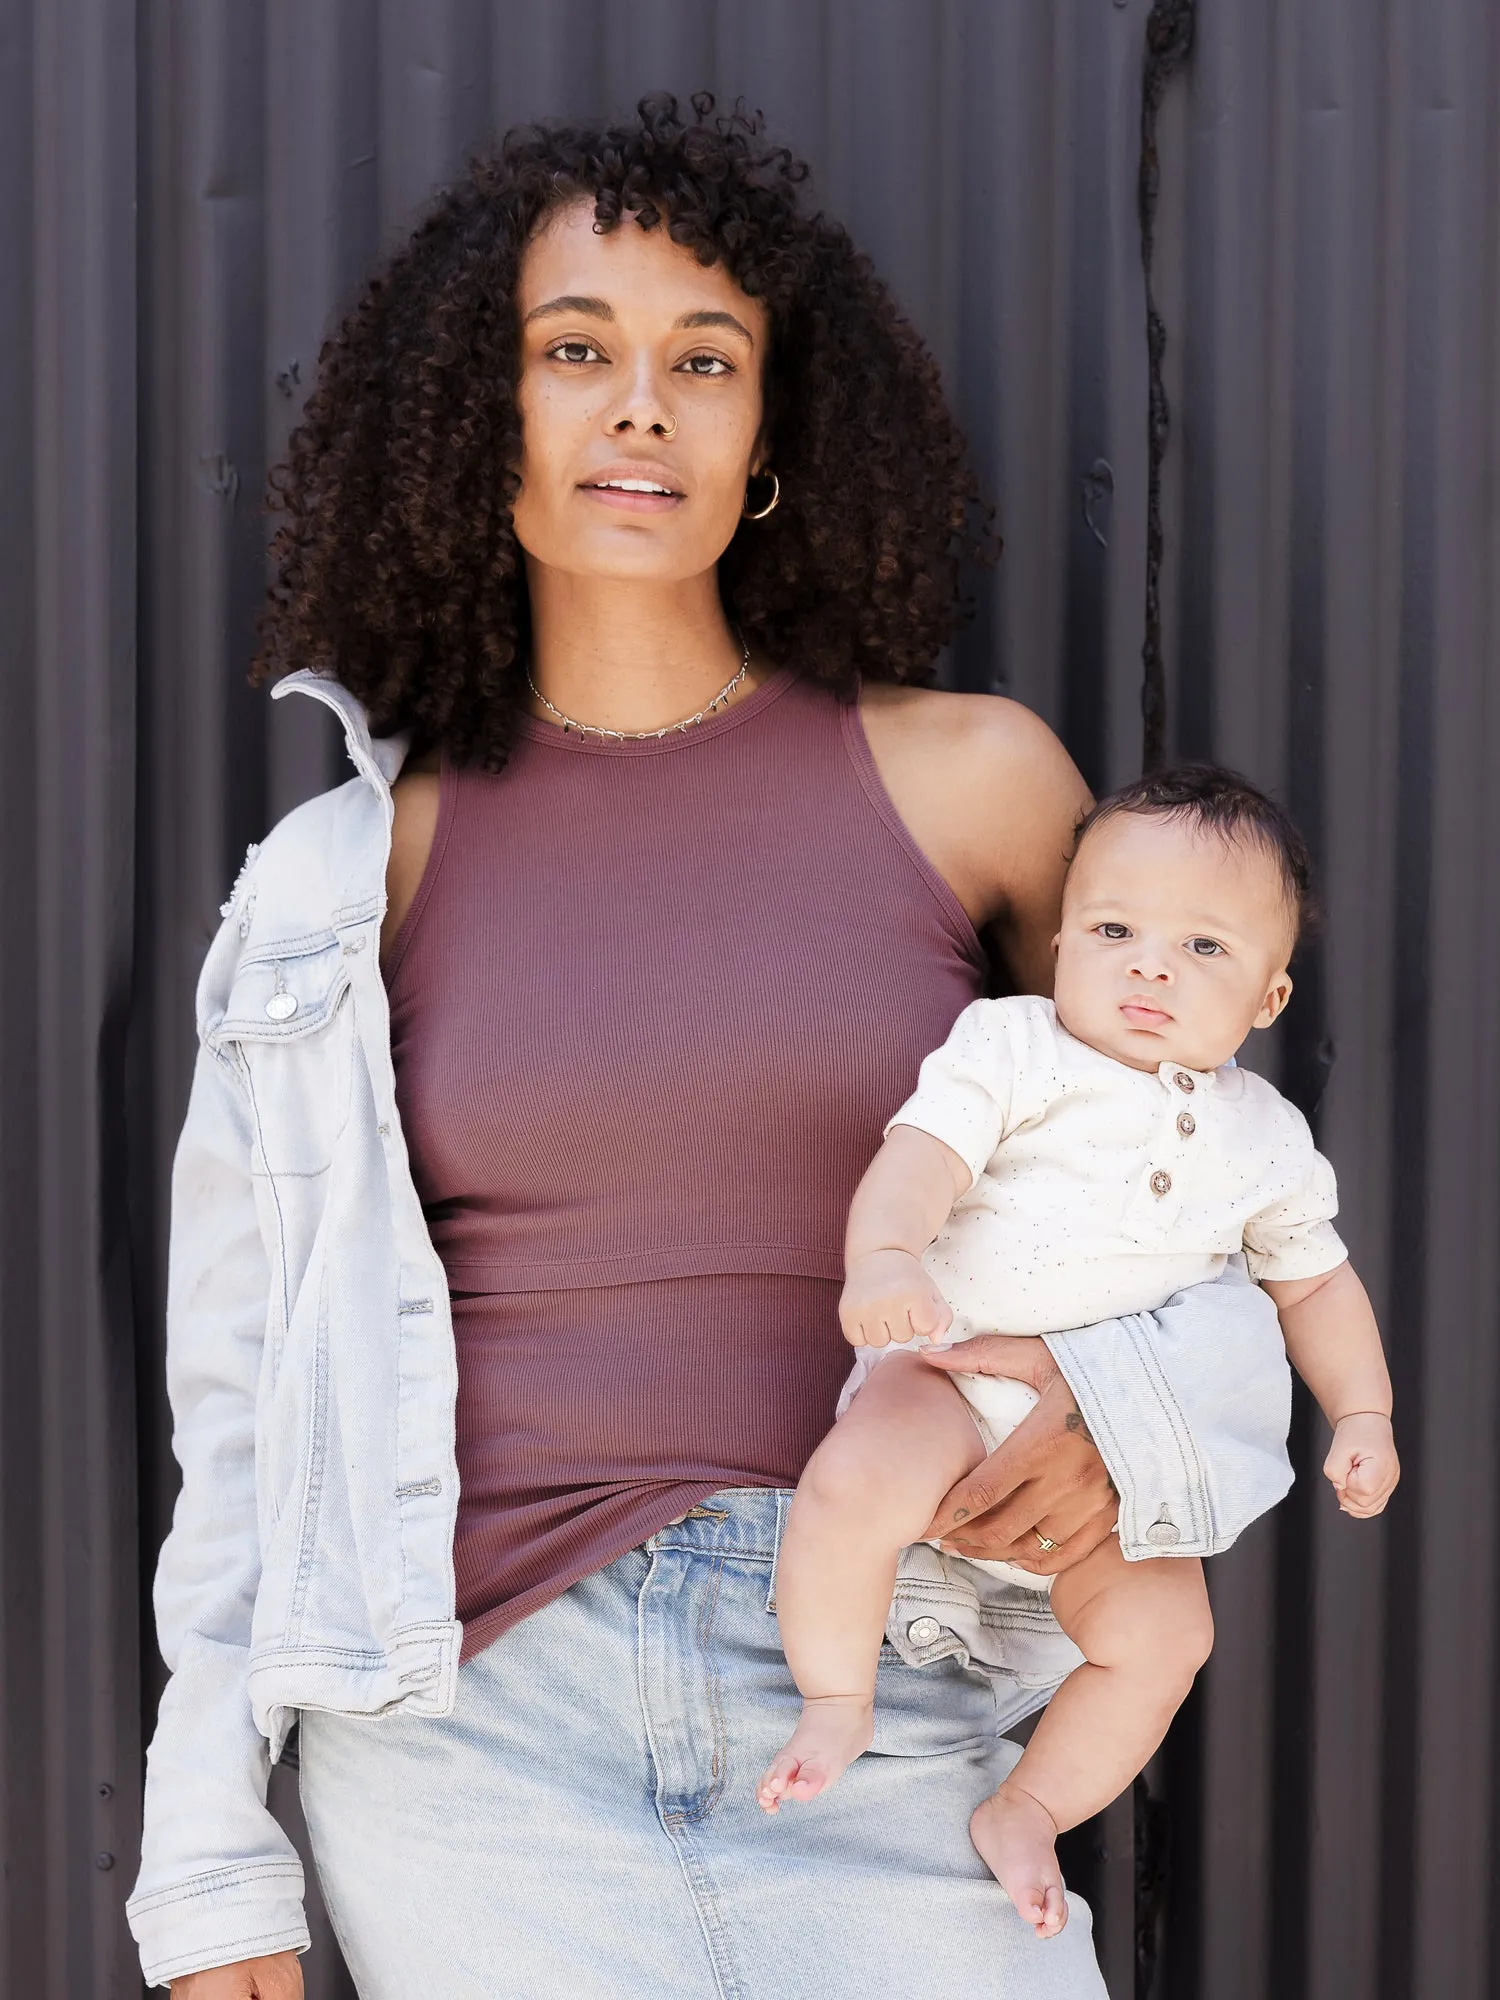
937,1710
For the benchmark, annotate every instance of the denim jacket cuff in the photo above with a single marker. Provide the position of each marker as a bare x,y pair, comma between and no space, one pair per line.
1190,1408
219,1918
1152,1458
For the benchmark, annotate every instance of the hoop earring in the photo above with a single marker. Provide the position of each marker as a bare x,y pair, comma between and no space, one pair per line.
770,506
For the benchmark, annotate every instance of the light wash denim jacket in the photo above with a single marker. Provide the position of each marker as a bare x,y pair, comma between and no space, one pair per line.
311,1370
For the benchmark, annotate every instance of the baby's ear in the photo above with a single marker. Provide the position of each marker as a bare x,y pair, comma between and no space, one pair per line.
1275,1000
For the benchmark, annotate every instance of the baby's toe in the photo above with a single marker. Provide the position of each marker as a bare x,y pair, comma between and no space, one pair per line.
1056,1912
777,1781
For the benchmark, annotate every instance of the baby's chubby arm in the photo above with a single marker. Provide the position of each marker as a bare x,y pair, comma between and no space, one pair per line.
1334,1345
900,1205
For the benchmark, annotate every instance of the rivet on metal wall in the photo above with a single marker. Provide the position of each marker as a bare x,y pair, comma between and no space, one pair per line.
1098,492
223,479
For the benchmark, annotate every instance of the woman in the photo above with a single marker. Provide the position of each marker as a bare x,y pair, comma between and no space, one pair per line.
626,514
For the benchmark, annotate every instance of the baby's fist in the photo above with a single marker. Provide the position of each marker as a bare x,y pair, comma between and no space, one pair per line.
1362,1464
887,1297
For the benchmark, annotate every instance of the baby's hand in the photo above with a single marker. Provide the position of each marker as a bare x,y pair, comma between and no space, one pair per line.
1362,1463
889,1296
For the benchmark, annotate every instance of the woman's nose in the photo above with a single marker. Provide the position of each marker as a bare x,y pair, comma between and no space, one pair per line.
643,407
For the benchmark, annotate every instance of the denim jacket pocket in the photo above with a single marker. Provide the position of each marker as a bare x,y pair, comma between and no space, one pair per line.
290,1032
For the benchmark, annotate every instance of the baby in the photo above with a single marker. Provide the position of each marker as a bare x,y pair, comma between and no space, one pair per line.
1061,1163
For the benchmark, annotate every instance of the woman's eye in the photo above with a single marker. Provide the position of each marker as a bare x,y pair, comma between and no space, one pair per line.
706,364
574,351
1205,947
1114,932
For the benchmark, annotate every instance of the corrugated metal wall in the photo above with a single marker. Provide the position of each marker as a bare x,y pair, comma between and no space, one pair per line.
189,192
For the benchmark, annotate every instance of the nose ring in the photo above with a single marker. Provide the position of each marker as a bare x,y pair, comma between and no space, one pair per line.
673,431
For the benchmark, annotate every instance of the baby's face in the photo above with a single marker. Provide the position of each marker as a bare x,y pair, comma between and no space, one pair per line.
1173,944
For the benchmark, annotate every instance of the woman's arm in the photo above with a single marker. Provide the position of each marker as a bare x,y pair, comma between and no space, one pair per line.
1188,1407
219,1880
991,797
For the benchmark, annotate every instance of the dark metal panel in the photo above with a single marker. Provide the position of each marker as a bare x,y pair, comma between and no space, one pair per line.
68,1617
1331,286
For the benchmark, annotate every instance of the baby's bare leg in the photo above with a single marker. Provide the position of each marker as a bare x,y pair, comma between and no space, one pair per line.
872,1486
1145,1630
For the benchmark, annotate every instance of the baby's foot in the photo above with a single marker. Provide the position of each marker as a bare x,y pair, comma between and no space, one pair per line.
834,1730
1014,1834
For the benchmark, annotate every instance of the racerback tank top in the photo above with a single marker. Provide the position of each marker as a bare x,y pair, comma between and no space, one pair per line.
650,1009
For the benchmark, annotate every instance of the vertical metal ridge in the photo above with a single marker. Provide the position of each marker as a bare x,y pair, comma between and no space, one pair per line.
67,1527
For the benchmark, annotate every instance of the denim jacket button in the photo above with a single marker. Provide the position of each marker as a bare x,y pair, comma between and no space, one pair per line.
1163,1533
282,1006
922,1631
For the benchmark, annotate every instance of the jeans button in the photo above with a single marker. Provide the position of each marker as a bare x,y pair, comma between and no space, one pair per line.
922,1631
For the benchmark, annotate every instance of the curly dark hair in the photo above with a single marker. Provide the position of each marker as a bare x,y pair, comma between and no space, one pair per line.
398,569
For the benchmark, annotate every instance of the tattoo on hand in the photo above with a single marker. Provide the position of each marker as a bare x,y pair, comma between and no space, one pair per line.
961,1514
1074,1422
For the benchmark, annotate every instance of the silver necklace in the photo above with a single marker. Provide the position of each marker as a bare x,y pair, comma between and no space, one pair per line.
646,735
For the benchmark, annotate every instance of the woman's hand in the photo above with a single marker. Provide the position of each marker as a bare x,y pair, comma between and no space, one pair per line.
1047,1477
275,1978
887,1297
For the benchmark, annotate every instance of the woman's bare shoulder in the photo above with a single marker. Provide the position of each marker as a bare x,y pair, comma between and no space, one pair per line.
986,767
991,797
971,733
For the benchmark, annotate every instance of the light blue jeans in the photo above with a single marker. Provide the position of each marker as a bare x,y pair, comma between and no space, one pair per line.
584,1823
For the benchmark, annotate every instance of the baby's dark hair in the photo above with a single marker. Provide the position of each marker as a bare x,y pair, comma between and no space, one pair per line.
1220,801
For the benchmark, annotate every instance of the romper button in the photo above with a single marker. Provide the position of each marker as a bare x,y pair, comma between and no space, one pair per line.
282,1006
1161,1183
1184,1082
1186,1124
922,1631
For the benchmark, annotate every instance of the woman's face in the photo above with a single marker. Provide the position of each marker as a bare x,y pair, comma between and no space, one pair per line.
621,335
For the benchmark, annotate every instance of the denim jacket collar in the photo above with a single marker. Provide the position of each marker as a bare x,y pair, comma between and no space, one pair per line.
377,758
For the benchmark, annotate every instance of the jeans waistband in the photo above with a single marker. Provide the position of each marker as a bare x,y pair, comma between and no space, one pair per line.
738,1521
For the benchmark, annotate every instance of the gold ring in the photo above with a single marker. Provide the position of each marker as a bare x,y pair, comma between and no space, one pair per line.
1046,1542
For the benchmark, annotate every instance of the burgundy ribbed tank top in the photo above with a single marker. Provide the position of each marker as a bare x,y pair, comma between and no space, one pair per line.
650,1008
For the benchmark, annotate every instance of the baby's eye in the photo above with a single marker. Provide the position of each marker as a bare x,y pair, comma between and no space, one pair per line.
1114,932
712,364
1205,947
574,351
